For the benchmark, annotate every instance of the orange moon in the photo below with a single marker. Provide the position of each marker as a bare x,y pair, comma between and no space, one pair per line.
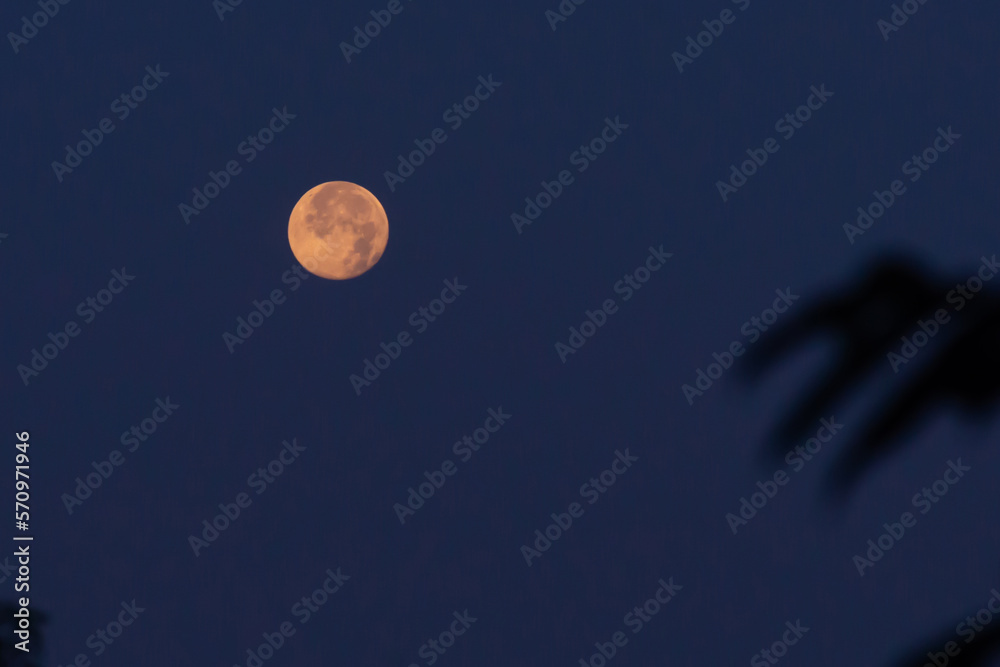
338,230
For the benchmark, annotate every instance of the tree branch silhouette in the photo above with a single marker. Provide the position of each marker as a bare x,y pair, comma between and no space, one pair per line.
957,366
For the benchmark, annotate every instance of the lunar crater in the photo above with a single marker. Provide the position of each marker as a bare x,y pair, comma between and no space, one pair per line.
338,230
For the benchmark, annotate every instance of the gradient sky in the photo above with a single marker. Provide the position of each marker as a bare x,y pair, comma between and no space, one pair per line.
494,347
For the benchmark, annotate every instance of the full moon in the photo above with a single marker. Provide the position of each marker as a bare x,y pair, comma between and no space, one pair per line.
338,230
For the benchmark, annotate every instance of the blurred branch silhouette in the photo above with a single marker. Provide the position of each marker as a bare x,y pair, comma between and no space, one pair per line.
869,320
976,653
957,365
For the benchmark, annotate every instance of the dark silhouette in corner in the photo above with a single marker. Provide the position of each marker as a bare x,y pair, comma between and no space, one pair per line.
11,656
958,365
976,653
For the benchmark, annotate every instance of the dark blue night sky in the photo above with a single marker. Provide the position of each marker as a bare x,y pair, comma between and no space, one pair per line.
552,451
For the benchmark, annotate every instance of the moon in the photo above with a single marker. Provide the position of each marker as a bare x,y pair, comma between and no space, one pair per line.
338,230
